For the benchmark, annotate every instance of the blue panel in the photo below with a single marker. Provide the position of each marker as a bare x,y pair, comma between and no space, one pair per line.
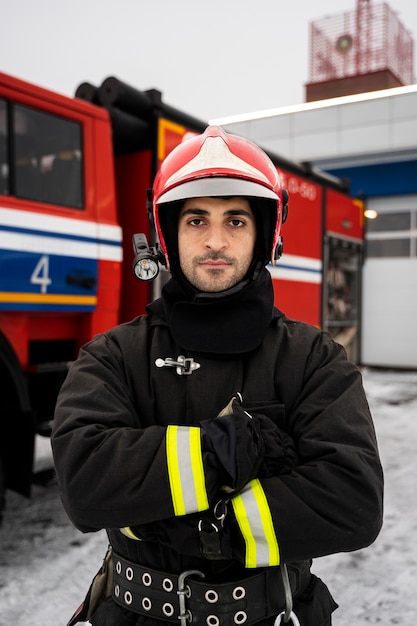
384,179
33,281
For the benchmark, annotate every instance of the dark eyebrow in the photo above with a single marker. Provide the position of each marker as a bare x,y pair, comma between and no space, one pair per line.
229,212
194,212
239,212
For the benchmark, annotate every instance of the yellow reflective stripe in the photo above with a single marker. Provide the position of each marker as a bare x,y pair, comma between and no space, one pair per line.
185,469
267,524
198,469
253,515
173,469
127,531
245,529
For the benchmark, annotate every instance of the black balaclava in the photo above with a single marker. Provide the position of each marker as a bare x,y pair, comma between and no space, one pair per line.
229,322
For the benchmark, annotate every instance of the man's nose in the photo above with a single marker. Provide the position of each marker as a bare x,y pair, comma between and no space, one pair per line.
216,238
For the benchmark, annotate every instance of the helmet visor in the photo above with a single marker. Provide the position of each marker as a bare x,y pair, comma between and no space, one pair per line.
216,186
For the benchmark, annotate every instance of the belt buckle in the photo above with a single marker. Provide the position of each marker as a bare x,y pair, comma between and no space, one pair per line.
185,614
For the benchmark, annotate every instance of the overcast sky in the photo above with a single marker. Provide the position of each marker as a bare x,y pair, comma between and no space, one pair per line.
209,58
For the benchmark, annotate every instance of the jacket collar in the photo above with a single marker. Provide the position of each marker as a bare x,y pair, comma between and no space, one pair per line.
226,323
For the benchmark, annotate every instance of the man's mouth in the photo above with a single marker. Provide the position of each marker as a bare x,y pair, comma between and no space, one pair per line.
214,263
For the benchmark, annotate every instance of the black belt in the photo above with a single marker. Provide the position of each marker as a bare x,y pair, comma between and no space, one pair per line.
186,597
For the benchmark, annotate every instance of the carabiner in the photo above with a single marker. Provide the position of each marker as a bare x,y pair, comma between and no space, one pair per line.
182,591
287,591
220,511
292,618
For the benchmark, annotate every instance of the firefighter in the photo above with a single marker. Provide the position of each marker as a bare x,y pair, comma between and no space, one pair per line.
220,444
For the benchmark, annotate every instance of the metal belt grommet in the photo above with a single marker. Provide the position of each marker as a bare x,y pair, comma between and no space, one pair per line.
168,596
128,597
240,617
211,596
167,584
238,593
118,567
168,609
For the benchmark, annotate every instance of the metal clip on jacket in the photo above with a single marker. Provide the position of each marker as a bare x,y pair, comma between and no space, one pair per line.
184,365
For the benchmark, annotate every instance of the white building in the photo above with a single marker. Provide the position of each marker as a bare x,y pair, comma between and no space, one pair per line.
370,139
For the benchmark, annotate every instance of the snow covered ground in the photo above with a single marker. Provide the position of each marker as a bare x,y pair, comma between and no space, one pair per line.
46,565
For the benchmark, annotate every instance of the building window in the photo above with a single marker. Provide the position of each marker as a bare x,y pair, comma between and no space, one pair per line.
392,235
386,222
388,247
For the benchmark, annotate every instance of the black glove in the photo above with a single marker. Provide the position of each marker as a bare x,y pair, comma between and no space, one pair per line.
234,436
281,454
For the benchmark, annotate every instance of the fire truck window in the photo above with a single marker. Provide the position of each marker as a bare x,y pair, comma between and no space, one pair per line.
47,158
4,167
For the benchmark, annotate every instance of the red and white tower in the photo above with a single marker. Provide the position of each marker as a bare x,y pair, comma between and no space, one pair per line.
363,50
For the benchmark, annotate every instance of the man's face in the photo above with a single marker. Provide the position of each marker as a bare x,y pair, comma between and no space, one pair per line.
216,241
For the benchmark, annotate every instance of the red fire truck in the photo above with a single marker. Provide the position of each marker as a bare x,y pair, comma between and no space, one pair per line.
73,179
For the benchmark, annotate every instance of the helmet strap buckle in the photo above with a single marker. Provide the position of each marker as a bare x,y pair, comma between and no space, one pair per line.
279,248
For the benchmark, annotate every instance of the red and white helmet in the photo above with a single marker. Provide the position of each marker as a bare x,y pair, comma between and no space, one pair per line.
217,163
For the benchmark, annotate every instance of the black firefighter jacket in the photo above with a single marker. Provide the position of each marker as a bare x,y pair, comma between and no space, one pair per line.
323,492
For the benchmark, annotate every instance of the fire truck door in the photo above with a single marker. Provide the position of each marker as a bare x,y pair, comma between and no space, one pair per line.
342,268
